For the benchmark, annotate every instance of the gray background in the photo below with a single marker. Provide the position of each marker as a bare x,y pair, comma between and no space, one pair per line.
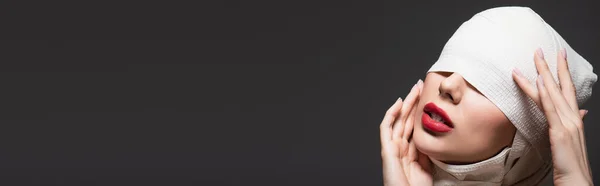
226,93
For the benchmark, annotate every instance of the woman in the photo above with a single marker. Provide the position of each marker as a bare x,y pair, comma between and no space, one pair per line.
491,113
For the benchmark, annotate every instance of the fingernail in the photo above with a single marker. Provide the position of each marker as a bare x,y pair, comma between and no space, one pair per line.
540,53
586,111
563,52
518,72
541,80
420,82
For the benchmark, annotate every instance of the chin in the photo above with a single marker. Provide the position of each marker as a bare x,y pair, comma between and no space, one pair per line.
432,146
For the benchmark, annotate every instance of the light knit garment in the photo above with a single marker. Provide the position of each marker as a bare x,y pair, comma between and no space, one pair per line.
484,50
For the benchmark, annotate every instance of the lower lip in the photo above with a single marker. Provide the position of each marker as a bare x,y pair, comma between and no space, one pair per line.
434,125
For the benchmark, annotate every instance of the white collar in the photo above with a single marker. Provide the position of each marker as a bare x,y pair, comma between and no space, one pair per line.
491,170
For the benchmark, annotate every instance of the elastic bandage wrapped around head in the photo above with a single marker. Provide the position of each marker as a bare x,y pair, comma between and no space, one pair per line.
485,50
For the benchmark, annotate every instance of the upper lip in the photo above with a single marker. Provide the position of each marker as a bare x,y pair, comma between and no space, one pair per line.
432,108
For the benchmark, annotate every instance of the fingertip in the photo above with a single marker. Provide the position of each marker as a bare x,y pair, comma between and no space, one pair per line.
398,103
395,106
516,78
520,80
539,53
518,72
563,53
414,91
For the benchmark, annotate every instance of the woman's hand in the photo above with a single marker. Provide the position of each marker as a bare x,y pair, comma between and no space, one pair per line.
567,140
403,164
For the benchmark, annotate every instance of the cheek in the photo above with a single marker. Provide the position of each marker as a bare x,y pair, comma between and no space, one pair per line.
488,126
486,117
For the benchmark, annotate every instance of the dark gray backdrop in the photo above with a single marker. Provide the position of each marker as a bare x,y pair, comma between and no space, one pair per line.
226,93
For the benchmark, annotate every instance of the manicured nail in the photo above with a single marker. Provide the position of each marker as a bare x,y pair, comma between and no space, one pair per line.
540,53
518,72
541,80
586,111
420,82
563,52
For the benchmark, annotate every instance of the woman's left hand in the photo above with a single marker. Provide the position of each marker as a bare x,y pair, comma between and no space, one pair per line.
559,104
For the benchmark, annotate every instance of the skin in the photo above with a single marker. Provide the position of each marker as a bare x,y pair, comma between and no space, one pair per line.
565,120
480,130
403,164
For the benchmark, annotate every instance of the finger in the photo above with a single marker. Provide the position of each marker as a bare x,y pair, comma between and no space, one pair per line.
412,117
582,113
385,128
584,151
566,84
412,151
548,108
579,142
563,101
550,111
424,161
557,99
527,87
400,123
393,173
587,162
410,123
583,147
420,86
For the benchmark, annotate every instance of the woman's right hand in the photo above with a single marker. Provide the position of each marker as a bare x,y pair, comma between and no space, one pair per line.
403,164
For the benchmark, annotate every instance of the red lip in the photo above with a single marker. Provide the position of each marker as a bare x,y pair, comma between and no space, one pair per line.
432,124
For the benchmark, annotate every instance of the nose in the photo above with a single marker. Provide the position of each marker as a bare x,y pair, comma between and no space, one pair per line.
452,87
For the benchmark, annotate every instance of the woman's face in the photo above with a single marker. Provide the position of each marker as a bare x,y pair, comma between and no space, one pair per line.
478,131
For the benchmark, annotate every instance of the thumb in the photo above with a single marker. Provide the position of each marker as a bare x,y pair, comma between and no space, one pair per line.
582,113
